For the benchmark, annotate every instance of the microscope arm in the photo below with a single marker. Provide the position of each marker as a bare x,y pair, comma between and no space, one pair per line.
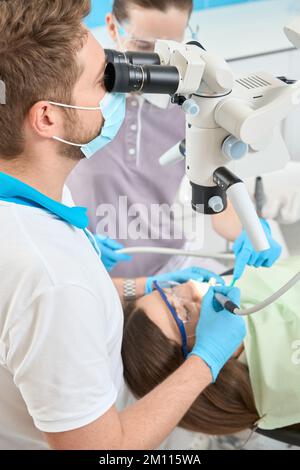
292,32
254,125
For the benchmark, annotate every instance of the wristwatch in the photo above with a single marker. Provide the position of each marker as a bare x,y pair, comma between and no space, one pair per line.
129,288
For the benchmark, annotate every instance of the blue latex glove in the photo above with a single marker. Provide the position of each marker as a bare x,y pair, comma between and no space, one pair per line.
246,255
109,255
218,333
194,273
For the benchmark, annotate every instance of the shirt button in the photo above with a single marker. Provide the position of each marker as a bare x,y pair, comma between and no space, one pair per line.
132,152
133,127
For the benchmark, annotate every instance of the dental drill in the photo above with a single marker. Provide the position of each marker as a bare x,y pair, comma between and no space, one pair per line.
227,304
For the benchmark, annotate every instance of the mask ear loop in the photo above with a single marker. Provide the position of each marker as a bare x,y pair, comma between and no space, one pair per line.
58,139
69,106
84,108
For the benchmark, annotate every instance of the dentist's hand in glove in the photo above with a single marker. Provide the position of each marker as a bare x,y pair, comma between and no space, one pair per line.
109,255
246,255
194,273
218,333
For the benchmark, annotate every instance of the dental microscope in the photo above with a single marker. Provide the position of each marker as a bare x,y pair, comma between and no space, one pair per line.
232,124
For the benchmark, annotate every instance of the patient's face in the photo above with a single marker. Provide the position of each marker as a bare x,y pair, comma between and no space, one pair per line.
187,303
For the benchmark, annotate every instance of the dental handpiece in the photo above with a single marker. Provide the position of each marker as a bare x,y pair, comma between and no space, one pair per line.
236,310
226,303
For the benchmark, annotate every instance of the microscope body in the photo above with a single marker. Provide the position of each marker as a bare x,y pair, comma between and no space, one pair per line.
232,125
292,32
216,137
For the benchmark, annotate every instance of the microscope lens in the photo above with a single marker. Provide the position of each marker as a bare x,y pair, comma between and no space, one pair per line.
125,78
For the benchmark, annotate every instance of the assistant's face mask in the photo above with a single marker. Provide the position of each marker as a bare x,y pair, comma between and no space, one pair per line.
113,109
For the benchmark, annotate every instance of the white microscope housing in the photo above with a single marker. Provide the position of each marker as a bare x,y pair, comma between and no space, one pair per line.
232,124
292,31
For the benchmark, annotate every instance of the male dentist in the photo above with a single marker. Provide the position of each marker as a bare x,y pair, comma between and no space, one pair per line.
60,316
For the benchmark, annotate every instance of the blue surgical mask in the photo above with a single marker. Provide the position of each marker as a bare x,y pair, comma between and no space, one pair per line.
113,109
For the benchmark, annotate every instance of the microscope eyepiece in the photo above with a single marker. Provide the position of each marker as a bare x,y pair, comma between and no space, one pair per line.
127,78
128,72
133,58
123,78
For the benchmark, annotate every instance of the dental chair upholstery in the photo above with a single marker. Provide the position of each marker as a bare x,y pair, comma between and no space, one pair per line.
286,435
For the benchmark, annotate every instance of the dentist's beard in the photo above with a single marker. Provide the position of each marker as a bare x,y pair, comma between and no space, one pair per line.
74,132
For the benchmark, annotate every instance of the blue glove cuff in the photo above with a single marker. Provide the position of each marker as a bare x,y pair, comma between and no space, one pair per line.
148,287
266,226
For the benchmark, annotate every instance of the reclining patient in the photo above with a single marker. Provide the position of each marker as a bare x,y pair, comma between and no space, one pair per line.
260,385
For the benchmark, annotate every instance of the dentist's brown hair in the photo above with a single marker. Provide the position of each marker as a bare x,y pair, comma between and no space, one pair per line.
39,41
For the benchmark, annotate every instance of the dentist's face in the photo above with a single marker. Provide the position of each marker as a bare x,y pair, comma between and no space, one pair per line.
46,119
144,26
85,125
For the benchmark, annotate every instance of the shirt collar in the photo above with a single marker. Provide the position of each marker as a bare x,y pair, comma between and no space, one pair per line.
14,190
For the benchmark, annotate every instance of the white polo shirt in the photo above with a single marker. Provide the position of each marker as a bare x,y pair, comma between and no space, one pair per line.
61,324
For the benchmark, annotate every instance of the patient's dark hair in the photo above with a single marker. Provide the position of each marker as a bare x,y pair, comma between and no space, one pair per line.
149,357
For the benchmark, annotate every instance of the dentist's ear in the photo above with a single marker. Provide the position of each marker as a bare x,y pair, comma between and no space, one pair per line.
111,27
44,120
